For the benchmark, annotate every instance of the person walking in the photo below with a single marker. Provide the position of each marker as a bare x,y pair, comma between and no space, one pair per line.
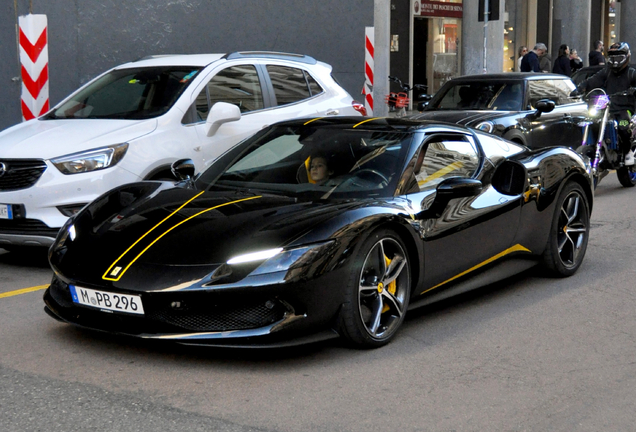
562,63
530,61
596,55
545,62
575,61
523,50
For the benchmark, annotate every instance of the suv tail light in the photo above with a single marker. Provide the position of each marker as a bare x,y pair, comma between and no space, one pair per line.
359,107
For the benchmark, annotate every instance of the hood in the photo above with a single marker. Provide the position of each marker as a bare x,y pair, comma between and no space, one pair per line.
47,139
154,231
466,118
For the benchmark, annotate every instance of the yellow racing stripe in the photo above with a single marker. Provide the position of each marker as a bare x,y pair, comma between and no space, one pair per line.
515,248
313,120
23,291
120,273
367,120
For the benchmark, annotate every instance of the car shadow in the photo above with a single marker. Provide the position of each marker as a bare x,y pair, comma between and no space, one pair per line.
25,257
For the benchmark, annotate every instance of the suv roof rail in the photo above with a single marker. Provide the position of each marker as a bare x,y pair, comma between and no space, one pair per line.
154,56
271,55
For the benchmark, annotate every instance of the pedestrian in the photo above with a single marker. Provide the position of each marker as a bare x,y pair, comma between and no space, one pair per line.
545,63
575,61
596,55
530,61
562,63
523,50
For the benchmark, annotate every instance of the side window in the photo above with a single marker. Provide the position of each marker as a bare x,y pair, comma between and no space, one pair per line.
538,90
442,157
289,84
563,89
238,85
314,87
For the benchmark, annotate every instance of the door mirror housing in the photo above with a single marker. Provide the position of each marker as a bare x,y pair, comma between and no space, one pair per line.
221,112
183,169
451,188
542,106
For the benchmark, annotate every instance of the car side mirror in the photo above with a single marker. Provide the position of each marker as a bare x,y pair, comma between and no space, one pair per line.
451,188
542,106
183,169
221,112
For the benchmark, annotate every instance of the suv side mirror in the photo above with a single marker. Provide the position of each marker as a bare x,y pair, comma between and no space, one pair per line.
221,112
183,169
451,188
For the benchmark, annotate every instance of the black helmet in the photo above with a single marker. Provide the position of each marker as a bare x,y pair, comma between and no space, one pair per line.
618,56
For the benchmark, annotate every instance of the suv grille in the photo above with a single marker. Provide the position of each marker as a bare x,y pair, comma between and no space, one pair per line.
27,227
20,173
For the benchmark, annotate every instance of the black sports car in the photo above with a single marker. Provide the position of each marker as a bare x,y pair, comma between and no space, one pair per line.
317,228
532,109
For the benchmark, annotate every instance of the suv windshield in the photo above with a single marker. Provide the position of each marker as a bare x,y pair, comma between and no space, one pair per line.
503,96
316,162
134,94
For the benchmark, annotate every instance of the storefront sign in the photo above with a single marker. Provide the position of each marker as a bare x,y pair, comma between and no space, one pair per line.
437,9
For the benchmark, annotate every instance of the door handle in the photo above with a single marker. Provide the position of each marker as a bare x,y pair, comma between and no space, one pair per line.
332,112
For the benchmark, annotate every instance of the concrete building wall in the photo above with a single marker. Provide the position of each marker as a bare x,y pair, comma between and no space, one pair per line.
571,21
87,37
627,27
473,41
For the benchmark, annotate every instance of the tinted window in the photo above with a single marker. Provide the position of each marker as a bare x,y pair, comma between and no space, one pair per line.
563,90
314,87
137,93
444,156
480,96
238,85
289,84
538,90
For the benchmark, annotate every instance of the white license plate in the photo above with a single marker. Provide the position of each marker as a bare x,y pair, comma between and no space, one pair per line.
107,301
6,211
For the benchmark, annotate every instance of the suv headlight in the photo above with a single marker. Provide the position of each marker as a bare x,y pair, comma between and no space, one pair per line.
486,126
91,160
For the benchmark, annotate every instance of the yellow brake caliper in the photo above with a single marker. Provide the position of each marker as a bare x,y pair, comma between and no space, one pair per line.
392,287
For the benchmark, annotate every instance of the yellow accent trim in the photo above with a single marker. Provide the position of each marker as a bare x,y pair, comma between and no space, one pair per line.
367,120
149,231
515,248
166,232
442,172
312,120
23,291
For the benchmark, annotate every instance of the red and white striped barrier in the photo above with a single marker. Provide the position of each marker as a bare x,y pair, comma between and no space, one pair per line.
368,70
34,57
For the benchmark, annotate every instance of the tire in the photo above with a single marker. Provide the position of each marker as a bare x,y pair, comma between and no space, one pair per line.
378,291
627,176
569,232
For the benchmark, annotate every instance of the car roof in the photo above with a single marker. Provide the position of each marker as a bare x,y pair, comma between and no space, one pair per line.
203,60
510,76
403,124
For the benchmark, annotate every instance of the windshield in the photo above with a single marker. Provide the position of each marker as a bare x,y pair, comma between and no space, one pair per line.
134,94
501,96
318,162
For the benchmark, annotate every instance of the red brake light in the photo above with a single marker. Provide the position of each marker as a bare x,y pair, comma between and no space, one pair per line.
359,107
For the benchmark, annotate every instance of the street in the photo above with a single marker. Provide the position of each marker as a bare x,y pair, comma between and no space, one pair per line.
528,354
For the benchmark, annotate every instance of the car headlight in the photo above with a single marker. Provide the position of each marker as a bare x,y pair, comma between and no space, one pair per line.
486,126
91,160
278,260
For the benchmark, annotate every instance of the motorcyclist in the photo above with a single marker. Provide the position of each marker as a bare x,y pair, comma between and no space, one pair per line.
617,77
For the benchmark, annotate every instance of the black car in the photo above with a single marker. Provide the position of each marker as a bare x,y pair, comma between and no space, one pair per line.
259,250
532,109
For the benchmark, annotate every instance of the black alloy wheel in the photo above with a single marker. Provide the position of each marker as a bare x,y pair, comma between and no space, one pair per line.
569,232
378,292
627,174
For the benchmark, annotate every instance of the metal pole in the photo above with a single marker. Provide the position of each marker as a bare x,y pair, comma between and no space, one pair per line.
381,33
486,14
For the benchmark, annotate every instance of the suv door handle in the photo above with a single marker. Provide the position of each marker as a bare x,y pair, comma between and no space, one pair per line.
332,112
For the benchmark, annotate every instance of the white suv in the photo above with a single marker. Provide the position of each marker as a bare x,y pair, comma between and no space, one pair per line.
133,121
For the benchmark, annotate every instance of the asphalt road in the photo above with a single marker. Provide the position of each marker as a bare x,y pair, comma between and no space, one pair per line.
529,354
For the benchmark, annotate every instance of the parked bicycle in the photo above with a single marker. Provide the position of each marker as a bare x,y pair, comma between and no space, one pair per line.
398,101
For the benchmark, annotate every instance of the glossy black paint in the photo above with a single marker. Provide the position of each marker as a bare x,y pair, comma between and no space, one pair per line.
528,127
486,228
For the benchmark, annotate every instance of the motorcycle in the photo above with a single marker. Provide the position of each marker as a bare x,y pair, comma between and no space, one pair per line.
604,152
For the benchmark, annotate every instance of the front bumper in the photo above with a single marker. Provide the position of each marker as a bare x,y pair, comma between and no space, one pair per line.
203,318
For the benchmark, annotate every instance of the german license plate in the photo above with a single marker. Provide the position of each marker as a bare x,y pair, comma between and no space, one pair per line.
6,211
107,301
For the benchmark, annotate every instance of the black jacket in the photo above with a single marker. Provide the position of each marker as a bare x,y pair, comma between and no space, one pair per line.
612,83
562,65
